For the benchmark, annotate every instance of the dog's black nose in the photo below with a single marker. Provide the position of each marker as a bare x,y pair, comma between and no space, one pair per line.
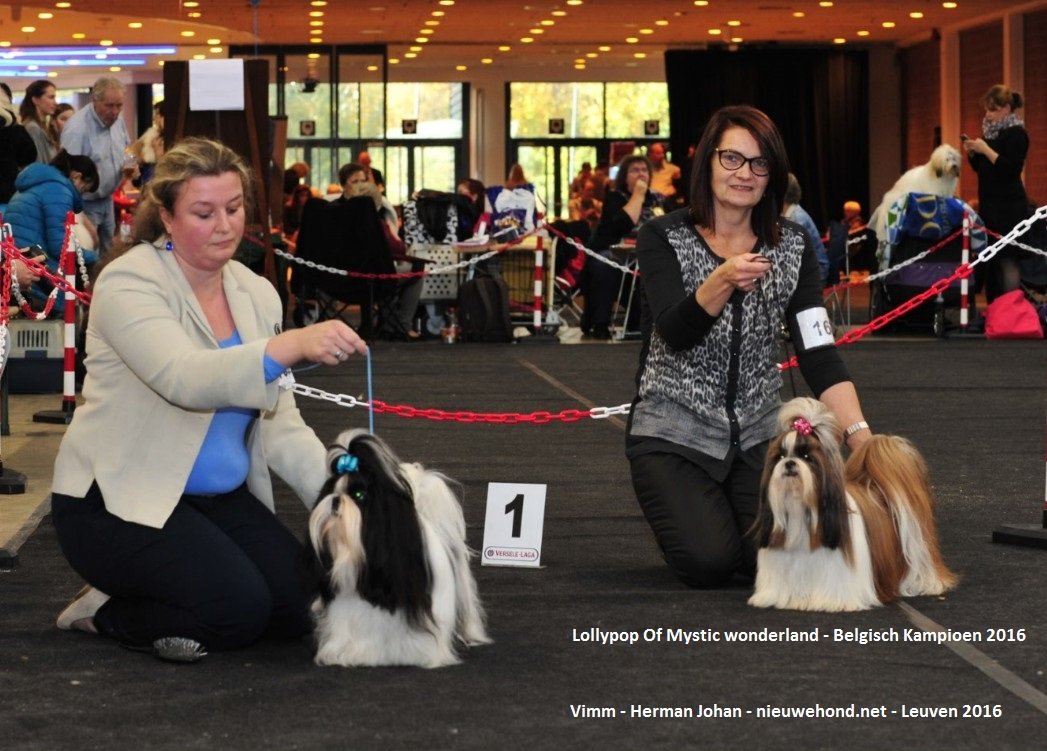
790,466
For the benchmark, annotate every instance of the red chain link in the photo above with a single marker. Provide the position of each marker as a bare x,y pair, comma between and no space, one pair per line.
498,418
11,252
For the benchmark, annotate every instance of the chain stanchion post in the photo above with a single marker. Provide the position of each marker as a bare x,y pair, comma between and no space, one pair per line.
65,415
965,258
539,271
1027,535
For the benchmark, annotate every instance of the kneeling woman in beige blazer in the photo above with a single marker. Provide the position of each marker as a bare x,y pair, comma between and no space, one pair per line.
161,494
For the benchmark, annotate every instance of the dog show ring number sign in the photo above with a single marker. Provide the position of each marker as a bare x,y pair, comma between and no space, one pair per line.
513,525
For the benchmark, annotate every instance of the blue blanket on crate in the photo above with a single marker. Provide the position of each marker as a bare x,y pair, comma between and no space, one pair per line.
931,217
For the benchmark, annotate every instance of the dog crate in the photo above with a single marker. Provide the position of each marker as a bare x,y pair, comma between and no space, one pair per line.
36,356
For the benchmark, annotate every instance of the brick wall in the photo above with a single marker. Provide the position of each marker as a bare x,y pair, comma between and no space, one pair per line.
1035,110
922,98
981,66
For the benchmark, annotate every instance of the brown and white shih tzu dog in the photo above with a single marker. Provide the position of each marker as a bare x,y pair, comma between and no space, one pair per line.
837,536
389,539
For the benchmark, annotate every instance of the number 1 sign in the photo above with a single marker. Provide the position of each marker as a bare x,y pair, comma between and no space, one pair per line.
513,525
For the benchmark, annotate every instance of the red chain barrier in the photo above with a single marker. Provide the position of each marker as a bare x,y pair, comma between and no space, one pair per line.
498,418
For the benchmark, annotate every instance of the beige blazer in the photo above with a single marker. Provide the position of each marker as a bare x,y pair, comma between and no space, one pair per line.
155,377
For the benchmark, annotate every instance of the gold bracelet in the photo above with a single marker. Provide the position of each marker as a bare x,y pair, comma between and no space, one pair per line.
860,425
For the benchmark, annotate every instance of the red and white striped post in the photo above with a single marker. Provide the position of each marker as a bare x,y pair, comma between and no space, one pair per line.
65,415
539,278
965,257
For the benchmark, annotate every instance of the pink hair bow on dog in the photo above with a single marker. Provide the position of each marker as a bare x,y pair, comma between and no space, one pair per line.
802,426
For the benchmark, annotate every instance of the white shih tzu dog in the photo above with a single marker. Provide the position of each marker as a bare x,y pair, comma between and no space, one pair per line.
836,537
389,538
939,177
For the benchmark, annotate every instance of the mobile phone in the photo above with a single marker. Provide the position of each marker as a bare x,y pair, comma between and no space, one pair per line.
964,137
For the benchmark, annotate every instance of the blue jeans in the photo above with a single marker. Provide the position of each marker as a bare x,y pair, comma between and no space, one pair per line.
223,570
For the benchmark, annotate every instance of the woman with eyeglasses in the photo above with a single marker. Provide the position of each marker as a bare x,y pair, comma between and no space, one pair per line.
720,278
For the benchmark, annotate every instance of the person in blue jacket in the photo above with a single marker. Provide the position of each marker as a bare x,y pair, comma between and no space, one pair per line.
44,194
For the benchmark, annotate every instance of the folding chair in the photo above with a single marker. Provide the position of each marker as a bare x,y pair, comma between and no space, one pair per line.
342,234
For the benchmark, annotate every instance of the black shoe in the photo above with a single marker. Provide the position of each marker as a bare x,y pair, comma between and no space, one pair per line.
598,334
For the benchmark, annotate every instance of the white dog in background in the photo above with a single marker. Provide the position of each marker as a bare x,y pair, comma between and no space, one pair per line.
389,539
939,177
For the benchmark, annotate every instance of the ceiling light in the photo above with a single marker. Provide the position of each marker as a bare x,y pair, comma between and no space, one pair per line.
526,40
734,23
394,61
430,22
799,14
372,68
826,3
318,3
79,35
446,2
414,49
195,57
316,14
28,29
631,40
737,40
313,56
715,32
116,68
63,5
574,2
559,13
888,24
862,33
187,33
105,43
426,31
316,23
839,40
486,60
194,14
504,48
421,40
214,41
5,44
916,14
536,31
437,14
45,16
316,40
950,6
592,55
216,50
639,55
646,31
701,3
134,25
460,67
661,22
604,48
410,55
191,4
579,66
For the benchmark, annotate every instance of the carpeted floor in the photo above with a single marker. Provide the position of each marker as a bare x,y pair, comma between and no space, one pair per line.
975,408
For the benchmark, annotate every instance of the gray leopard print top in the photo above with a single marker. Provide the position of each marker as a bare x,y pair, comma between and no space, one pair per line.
686,394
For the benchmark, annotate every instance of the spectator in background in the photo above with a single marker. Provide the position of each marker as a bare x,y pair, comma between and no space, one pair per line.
373,173
664,174
16,147
794,212
999,158
150,146
37,106
99,132
583,176
46,193
585,206
59,118
474,190
852,216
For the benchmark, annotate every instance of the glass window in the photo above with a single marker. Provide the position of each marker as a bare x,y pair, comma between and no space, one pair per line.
533,105
631,105
435,108
308,96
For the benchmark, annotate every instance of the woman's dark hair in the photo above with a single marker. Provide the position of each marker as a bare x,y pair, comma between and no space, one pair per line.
27,109
626,162
477,190
762,128
1000,96
67,164
349,169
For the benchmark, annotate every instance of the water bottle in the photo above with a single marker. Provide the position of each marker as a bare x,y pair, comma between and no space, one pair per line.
450,331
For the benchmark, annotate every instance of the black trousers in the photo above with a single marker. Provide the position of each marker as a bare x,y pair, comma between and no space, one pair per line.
223,570
701,519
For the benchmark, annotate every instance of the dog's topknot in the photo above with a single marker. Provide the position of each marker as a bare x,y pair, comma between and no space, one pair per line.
814,412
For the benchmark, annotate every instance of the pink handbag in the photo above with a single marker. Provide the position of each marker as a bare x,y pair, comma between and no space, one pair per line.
1012,316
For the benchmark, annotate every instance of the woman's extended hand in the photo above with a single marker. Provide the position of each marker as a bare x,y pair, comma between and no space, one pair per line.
745,271
24,274
329,342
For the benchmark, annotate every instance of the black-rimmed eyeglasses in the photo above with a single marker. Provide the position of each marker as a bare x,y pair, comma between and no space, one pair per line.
731,160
